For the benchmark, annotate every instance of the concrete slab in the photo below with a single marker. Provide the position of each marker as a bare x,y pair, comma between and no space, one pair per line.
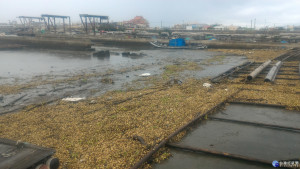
242,139
190,160
252,141
261,114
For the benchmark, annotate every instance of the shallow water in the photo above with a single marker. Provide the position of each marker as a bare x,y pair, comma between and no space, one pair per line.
24,64
30,66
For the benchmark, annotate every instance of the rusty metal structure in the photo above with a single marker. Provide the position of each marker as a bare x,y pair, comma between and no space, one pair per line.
50,21
27,21
92,21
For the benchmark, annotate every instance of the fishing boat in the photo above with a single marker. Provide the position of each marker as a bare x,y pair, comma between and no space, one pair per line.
178,43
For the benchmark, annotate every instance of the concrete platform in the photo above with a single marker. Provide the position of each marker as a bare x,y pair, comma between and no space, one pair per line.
243,139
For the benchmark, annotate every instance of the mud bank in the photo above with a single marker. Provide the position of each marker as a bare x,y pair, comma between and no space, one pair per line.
244,45
211,44
85,43
48,43
132,43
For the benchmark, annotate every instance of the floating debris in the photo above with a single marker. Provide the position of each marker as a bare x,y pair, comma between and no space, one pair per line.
208,85
73,99
145,75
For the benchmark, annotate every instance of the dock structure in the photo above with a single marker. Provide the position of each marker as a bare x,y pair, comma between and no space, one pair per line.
27,21
50,21
93,20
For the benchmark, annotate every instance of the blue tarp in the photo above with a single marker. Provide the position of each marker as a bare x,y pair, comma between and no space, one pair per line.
177,42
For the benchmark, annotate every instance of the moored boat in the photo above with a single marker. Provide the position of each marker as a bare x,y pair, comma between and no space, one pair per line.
178,43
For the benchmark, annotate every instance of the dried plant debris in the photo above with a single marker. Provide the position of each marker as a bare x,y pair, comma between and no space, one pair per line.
258,55
107,80
101,135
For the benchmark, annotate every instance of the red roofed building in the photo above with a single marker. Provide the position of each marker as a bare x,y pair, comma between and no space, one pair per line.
137,22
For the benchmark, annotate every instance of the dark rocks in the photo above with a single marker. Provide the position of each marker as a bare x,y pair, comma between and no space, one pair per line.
102,53
125,53
133,55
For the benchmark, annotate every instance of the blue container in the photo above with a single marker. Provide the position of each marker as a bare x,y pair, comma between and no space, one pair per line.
177,42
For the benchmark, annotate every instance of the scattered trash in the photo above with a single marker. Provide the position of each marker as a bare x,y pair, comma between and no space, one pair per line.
206,85
145,74
93,102
226,90
73,99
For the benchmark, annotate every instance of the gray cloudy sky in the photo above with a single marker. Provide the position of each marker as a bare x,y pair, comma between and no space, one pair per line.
170,12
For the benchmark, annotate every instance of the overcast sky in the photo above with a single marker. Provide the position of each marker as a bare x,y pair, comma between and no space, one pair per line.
169,12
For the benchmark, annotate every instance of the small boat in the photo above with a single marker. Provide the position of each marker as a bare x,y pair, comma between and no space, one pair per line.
178,43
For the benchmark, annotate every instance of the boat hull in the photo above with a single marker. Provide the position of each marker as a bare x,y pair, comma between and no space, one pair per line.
165,46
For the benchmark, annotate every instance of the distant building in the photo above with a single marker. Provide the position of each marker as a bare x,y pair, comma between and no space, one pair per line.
218,27
206,27
232,28
290,28
137,22
189,26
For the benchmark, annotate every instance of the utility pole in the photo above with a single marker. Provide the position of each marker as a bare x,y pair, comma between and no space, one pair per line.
160,24
254,22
